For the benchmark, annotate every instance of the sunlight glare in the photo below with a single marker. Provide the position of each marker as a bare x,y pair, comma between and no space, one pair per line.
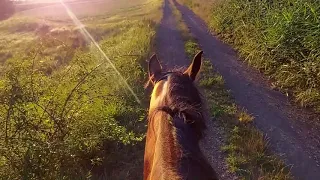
88,36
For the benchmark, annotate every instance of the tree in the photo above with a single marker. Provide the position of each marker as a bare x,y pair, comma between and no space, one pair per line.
6,9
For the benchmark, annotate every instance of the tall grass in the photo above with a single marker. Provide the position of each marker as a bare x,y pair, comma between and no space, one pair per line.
280,38
64,113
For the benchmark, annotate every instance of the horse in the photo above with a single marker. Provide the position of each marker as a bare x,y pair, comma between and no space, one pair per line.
175,125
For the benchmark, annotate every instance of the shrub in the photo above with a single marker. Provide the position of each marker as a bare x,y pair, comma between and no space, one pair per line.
78,120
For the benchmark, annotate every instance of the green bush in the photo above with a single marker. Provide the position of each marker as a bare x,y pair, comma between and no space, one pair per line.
65,113
281,38
56,127
79,120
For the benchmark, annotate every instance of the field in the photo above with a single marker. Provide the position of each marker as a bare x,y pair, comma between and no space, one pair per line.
80,8
67,111
281,39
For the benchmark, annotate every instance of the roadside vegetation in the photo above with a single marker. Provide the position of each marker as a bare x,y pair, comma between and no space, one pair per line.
64,111
280,38
246,148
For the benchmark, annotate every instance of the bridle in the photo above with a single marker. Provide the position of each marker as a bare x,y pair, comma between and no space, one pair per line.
175,114
164,77
172,112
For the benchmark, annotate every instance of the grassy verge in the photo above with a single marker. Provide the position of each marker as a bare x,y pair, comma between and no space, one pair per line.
64,111
202,8
279,38
246,147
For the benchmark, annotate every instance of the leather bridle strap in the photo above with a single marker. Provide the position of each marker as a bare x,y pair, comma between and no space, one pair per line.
164,77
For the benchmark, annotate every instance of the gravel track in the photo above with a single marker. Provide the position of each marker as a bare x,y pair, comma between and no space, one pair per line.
170,49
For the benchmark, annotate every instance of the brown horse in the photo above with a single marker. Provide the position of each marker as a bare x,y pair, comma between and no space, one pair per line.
175,126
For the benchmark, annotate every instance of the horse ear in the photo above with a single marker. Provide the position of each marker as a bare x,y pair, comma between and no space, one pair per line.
194,67
155,68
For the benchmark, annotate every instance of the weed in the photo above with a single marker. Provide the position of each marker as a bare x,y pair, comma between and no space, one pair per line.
244,117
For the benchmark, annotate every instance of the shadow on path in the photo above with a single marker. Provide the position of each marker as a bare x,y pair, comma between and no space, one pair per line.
169,43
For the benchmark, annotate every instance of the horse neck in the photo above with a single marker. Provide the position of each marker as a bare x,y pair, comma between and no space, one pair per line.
192,164
162,152
172,150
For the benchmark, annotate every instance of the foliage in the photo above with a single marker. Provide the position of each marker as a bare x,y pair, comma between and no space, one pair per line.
201,7
64,111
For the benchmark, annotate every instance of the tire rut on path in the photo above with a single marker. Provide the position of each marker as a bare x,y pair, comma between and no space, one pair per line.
291,135
171,52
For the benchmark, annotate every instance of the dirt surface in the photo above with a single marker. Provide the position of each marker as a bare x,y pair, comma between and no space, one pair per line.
293,132
170,50
169,43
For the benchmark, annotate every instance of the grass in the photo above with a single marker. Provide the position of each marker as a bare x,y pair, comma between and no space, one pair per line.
201,7
64,112
246,148
80,9
281,39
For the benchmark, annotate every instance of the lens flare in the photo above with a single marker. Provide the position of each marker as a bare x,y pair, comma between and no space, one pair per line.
88,37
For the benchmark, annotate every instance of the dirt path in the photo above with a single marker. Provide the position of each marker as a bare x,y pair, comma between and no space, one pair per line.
170,49
293,135
169,44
